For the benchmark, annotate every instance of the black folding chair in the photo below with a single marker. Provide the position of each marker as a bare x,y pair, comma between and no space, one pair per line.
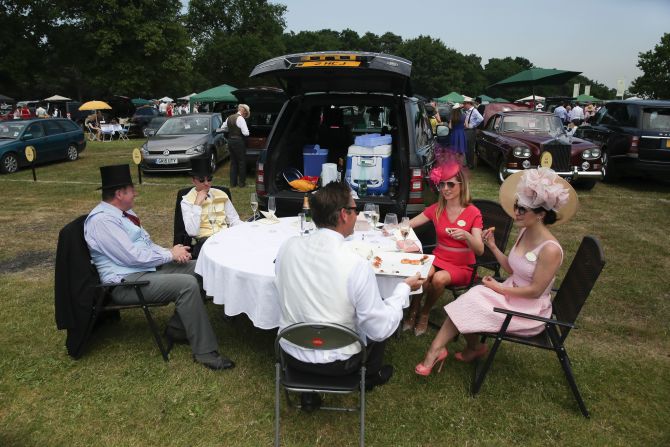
319,336
180,235
575,288
101,302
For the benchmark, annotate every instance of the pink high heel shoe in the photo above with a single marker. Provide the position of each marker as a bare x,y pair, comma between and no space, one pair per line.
472,354
425,371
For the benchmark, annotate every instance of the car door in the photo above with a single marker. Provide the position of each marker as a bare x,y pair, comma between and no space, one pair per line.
35,136
490,136
56,139
218,140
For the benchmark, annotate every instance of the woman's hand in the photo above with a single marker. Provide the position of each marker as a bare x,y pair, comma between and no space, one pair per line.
458,234
492,284
488,237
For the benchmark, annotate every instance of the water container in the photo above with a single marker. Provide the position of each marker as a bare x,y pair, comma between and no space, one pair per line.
313,157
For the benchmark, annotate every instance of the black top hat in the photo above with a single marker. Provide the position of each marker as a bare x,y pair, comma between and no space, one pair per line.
116,176
200,167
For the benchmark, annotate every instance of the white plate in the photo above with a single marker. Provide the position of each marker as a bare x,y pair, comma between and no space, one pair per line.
392,264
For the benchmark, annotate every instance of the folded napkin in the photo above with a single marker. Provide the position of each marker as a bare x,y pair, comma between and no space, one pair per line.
408,246
270,218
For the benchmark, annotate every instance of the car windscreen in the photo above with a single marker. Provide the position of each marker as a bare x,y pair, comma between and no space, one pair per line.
533,123
185,126
11,130
656,119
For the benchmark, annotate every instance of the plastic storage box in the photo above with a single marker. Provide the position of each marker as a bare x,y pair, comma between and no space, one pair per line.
372,140
369,164
313,157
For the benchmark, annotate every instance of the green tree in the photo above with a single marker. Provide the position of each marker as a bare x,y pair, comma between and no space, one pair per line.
655,82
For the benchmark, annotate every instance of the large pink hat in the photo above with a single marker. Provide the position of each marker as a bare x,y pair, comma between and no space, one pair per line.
539,188
444,171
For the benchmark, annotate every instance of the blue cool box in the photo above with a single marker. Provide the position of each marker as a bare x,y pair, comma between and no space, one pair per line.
372,140
313,157
372,164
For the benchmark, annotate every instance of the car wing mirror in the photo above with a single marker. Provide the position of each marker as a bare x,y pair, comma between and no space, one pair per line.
27,136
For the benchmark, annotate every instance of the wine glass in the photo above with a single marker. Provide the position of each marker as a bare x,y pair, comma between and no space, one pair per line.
404,230
368,211
272,206
211,216
390,222
253,199
374,217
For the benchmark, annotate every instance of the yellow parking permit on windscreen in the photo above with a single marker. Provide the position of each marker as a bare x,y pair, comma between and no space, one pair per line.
329,60
328,64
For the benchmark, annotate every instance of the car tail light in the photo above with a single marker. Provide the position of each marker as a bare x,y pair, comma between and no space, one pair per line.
416,186
633,149
260,179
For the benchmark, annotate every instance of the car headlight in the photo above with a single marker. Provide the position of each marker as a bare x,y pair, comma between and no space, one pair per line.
199,149
521,152
591,154
144,150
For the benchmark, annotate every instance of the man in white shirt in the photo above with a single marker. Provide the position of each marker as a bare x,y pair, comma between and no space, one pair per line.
562,113
236,126
41,112
576,115
206,210
472,119
320,280
162,108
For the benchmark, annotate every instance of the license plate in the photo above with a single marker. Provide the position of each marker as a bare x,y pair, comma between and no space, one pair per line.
166,161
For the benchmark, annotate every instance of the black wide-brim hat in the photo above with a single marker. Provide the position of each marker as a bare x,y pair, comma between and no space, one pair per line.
201,167
115,176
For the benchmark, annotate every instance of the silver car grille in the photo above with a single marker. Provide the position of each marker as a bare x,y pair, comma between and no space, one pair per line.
560,154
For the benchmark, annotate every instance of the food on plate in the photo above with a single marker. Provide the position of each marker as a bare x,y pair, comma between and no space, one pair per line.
377,262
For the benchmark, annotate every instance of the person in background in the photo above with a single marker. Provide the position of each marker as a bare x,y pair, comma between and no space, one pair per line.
17,113
41,112
206,210
535,198
472,120
162,108
320,279
236,126
457,141
576,115
25,113
589,112
169,110
56,113
122,250
562,113
458,226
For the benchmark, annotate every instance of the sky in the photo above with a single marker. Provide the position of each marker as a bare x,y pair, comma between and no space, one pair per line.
600,38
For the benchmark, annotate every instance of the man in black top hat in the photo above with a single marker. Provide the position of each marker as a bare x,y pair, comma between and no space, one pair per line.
206,210
122,250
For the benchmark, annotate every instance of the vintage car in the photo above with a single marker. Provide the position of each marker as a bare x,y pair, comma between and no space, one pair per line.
515,140
634,137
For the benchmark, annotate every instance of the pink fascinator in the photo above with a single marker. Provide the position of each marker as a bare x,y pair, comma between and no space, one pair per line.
447,166
538,188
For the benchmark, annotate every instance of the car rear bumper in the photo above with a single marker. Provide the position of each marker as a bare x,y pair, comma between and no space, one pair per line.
575,174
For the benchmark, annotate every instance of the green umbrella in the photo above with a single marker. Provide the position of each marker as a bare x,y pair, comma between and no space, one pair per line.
222,93
450,97
537,76
140,101
587,98
486,98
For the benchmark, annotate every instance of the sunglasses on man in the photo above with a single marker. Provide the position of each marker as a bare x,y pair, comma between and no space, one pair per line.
204,179
350,208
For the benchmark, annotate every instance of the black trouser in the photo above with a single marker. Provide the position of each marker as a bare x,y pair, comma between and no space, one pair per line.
238,163
470,135
375,360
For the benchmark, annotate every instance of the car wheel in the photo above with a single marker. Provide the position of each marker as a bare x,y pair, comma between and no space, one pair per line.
9,163
611,173
72,152
501,169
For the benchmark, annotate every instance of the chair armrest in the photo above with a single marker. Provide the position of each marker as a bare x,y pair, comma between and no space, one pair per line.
124,284
534,317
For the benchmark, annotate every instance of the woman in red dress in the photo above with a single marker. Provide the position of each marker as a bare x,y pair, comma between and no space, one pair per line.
458,226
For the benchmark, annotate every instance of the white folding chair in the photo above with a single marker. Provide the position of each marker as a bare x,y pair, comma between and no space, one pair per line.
107,130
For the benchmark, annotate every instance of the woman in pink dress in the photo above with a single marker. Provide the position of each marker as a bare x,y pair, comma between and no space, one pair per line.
534,198
458,227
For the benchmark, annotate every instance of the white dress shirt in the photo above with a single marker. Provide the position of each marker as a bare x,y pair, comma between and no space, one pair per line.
239,122
577,113
374,318
472,118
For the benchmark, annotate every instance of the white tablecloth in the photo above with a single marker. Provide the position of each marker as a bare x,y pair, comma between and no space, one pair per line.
237,268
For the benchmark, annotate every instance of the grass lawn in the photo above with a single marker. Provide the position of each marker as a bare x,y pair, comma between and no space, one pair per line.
121,393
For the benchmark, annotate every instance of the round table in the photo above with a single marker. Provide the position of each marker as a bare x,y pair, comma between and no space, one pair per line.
237,267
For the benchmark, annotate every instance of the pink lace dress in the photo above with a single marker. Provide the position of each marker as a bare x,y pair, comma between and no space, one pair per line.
473,311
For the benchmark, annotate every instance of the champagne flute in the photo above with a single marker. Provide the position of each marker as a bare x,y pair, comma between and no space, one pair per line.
211,215
374,217
254,204
404,230
272,206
